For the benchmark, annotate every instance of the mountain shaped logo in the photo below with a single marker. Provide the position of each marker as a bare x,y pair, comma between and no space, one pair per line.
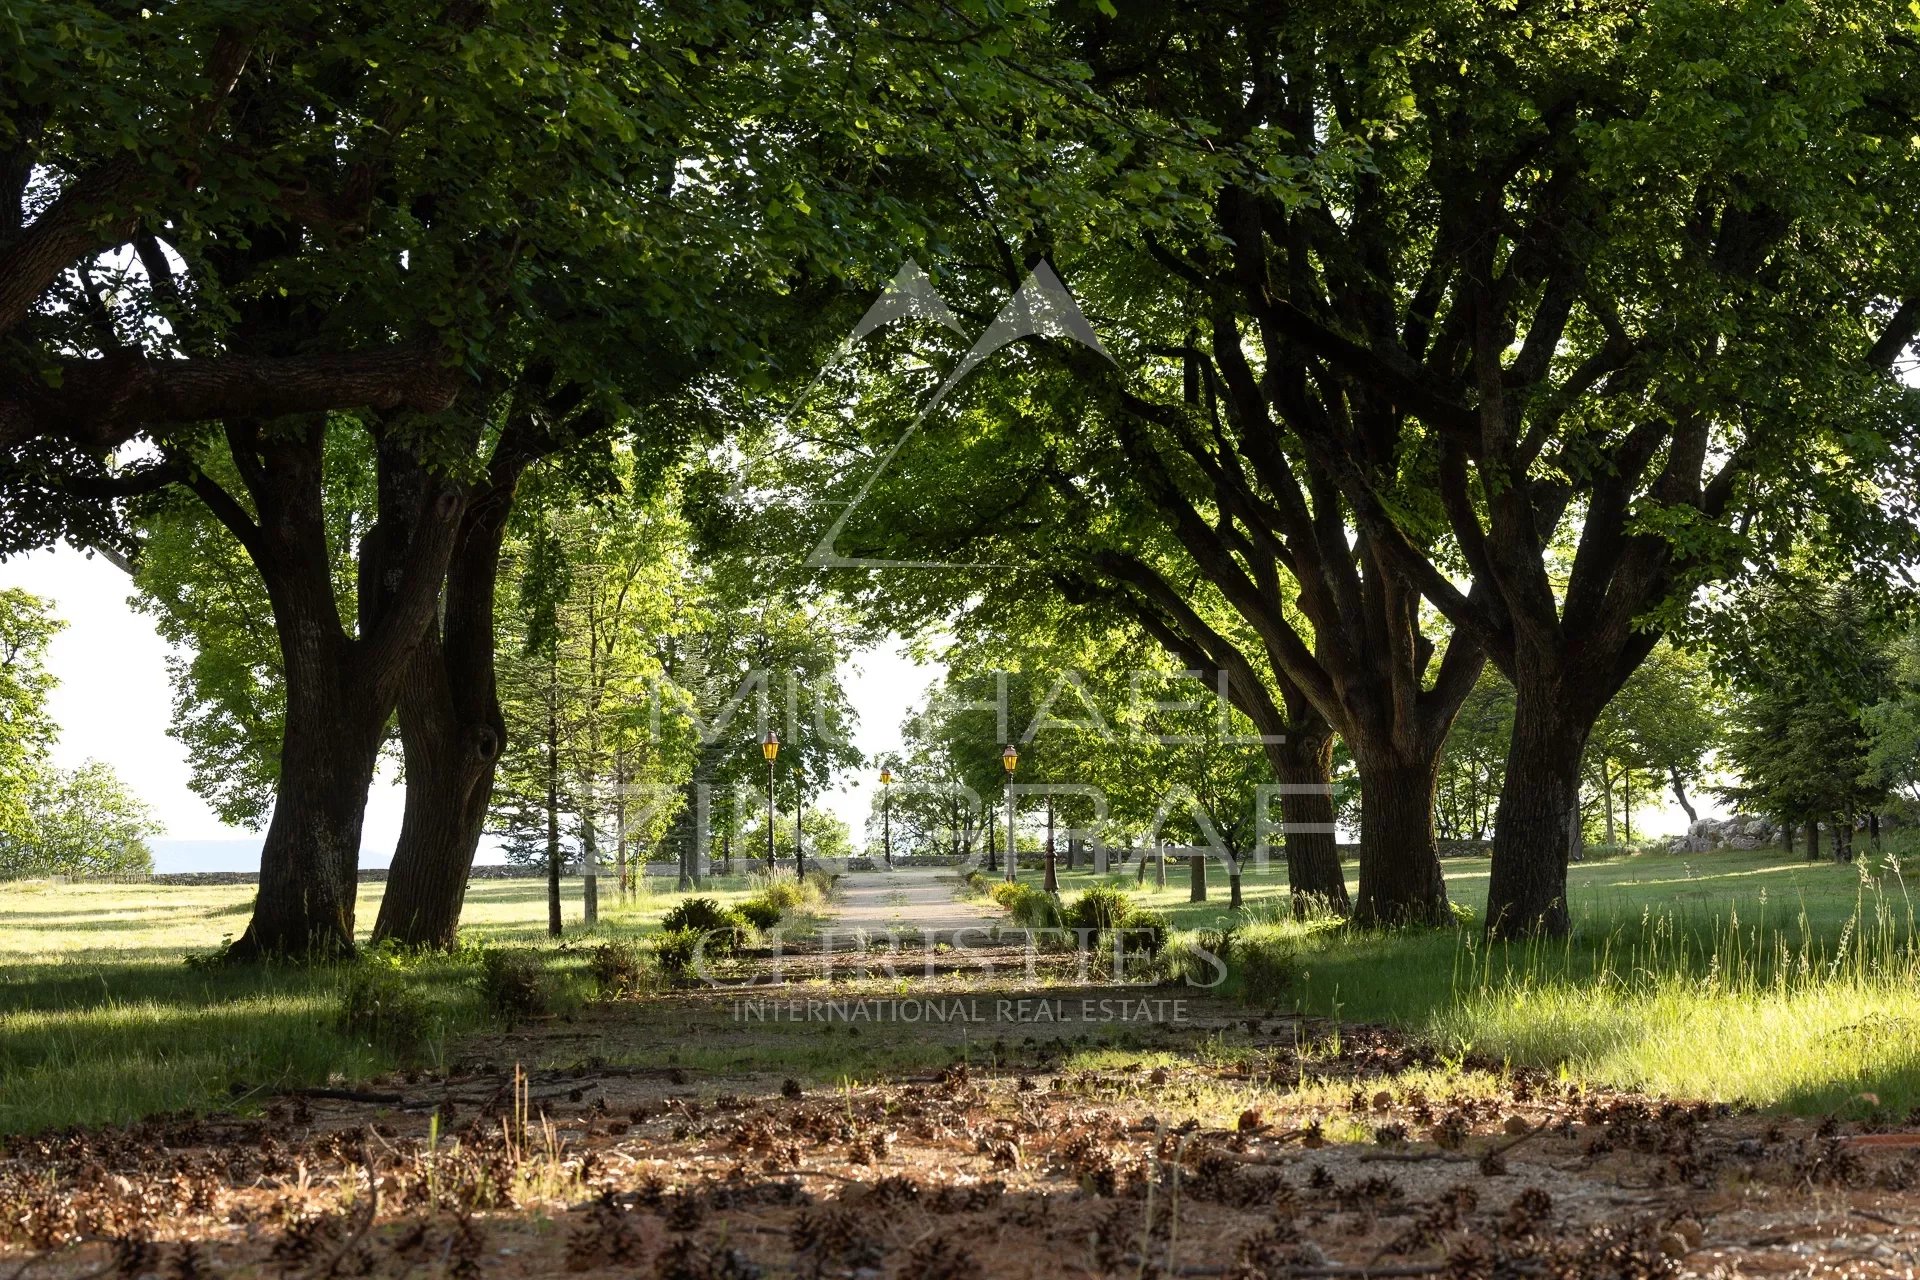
1040,308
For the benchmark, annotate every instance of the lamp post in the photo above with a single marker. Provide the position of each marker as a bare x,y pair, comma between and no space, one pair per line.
886,815
799,823
770,748
1010,758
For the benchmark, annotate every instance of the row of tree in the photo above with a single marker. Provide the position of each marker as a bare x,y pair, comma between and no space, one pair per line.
1448,336
1430,337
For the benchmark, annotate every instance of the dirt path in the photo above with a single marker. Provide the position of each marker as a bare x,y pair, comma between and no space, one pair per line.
922,899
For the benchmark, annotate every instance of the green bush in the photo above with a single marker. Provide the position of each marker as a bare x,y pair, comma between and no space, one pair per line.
1264,964
724,929
618,967
511,985
1144,932
760,913
1100,908
1027,905
784,895
675,949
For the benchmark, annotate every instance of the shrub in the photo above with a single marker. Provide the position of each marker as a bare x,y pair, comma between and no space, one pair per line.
618,967
1185,956
1027,905
760,913
675,949
824,884
1144,932
510,983
1100,908
725,930
784,895
977,883
379,1007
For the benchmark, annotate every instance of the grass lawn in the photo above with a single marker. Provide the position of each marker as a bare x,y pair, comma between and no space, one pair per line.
1737,976
1742,976
102,1020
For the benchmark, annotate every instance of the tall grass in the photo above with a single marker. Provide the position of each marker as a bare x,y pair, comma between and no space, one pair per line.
1772,1011
1762,1002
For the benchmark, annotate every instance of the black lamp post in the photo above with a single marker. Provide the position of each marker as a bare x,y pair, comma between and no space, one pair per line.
799,823
886,815
1011,758
770,748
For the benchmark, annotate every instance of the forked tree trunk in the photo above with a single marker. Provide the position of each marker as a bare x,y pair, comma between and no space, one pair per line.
340,689
452,734
1400,880
1303,763
1527,887
450,765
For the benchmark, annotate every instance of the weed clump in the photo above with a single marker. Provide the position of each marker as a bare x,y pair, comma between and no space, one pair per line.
618,967
760,913
1265,962
1105,913
1027,905
379,1007
511,984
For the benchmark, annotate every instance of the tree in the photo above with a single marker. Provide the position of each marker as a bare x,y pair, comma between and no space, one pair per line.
27,627
1473,761
1893,758
84,822
1654,734
1807,679
1523,279
209,604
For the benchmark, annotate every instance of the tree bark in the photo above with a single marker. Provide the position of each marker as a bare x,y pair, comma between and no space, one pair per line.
340,688
1303,763
452,734
1400,880
309,862
1197,877
1680,794
555,923
1527,887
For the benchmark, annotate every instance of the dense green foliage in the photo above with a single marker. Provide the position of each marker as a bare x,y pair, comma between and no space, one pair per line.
27,627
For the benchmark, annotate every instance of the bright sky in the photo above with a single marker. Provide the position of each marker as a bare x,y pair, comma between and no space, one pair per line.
114,703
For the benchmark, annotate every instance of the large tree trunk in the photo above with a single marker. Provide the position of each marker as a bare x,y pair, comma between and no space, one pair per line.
1400,880
309,862
450,767
340,688
1539,802
451,731
1303,763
